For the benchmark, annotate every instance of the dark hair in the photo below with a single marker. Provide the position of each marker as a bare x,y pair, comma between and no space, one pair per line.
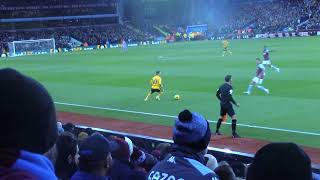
164,149
69,127
157,72
228,78
90,166
66,145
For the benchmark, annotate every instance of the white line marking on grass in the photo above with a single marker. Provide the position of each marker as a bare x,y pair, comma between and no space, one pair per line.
170,116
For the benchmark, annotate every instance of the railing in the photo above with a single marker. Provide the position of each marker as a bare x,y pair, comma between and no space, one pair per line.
237,160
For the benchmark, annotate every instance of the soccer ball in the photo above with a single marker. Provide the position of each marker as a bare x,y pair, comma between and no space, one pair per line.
176,97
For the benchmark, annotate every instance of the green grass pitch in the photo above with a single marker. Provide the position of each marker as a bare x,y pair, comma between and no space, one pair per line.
194,70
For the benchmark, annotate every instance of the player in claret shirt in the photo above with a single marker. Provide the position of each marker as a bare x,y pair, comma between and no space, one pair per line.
266,59
258,79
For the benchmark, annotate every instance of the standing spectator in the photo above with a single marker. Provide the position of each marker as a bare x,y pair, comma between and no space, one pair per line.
191,136
95,159
28,128
280,161
67,156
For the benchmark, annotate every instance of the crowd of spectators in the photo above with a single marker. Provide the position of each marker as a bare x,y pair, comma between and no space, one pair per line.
13,3
57,12
92,36
270,16
33,145
314,20
261,17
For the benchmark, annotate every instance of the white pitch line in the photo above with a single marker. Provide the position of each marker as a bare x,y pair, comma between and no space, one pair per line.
170,116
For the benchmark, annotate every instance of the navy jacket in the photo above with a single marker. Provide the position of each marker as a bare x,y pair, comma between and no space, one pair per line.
80,175
182,165
122,170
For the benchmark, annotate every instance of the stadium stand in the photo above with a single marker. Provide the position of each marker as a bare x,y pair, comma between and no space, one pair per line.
63,20
266,17
248,19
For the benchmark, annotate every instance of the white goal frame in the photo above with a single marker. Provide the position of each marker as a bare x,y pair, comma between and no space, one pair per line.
13,51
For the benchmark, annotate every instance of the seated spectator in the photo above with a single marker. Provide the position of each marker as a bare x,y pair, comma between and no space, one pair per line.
280,161
69,127
67,156
164,149
122,168
28,128
143,160
224,171
95,158
191,136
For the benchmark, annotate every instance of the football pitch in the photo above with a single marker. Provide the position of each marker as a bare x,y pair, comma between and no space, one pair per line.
110,83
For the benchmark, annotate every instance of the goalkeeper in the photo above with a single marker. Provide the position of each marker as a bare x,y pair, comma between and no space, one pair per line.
156,86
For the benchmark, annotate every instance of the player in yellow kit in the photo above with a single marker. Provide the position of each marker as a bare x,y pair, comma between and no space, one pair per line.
225,45
156,86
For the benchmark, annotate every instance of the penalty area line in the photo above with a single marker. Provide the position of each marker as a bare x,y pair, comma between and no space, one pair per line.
170,116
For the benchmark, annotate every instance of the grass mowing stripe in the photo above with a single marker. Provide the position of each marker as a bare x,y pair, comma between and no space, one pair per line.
170,116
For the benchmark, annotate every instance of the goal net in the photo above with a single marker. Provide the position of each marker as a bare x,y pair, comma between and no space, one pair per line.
31,47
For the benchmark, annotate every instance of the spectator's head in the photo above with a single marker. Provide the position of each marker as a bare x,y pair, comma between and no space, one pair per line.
142,159
95,155
191,130
164,149
122,152
67,155
28,114
138,156
90,131
60,128
156,153
224,171
82,136
69,127
280,161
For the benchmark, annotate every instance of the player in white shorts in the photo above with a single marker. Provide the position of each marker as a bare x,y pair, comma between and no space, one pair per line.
266,59
258,79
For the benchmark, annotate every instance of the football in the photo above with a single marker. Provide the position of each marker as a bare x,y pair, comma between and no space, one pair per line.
176,97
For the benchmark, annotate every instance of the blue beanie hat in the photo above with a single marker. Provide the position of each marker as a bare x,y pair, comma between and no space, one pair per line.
191,130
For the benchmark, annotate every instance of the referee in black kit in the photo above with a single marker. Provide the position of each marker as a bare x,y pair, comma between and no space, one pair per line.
224,94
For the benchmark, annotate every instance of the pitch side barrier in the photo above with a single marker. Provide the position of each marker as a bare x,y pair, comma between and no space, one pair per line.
237,160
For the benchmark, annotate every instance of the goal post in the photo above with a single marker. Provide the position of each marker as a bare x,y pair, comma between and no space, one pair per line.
31,47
